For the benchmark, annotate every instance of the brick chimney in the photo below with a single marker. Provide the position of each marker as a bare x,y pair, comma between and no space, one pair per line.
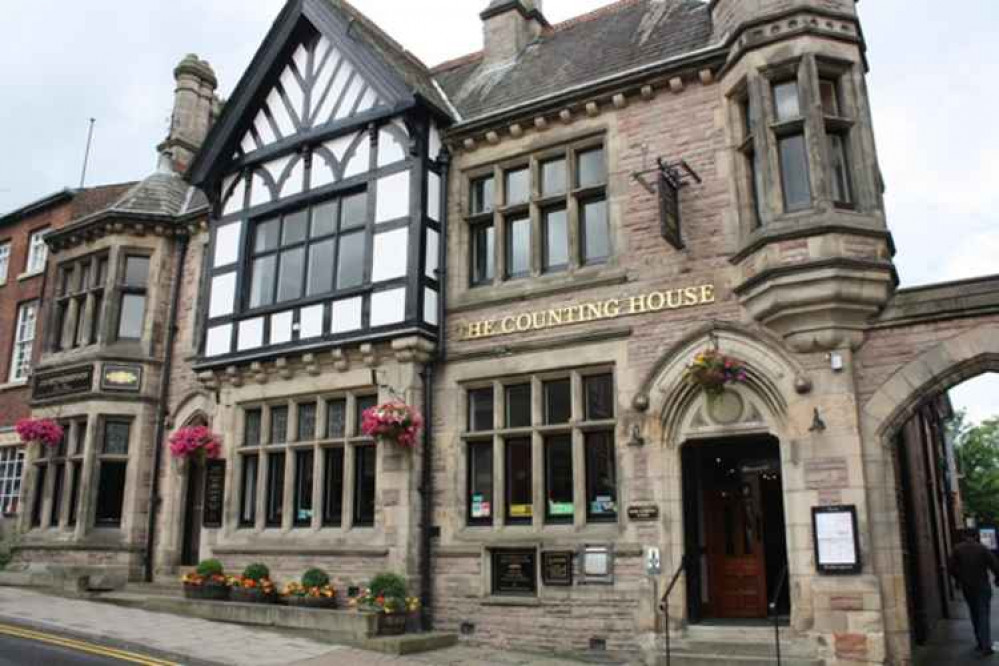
194,111
509,26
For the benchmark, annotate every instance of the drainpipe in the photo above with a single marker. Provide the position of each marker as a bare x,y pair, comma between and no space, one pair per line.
427,482
161,408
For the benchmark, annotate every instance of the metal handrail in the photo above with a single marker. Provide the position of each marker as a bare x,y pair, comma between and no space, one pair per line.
773,611
664,602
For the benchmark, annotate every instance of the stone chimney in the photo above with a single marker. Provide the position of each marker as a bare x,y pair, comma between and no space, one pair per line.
194,110
509,26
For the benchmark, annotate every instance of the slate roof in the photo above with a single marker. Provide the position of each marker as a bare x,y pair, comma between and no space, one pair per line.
82,202
611,40
163,193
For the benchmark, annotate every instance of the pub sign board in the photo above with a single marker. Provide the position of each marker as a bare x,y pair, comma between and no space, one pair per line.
643,512
669,210
556,568
214,493
515,572
63,383
837,542
118,377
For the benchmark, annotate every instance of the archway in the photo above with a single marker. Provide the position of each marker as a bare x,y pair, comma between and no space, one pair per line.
194,499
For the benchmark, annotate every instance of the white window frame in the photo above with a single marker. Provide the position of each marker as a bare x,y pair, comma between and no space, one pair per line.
38,252
11,475
4,261
24,340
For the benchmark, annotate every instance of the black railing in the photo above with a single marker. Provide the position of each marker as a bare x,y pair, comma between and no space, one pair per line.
774,601
664,603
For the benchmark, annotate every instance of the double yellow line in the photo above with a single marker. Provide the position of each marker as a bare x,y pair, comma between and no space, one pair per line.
80,646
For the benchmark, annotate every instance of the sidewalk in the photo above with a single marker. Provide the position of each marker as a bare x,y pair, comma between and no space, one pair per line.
953,641
194,641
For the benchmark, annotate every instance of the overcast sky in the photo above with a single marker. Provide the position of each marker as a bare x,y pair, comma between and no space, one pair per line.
932,86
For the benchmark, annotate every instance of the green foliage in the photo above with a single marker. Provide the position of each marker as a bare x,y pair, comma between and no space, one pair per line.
4,559
257,572
210,568
315,578
388,585
977,449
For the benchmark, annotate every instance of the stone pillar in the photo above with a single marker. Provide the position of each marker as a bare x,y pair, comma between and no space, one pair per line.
193,111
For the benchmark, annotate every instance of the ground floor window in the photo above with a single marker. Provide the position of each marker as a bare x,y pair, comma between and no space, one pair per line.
59,475
11,471
112,472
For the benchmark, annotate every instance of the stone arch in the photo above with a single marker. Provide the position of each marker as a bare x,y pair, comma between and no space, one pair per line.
192,406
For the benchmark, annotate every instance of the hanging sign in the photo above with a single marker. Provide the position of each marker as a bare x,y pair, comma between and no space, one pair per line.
214,493
837,546
669,210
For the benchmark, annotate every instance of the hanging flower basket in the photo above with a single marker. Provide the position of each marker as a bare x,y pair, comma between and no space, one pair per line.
195,442
712,371
41,431
396,422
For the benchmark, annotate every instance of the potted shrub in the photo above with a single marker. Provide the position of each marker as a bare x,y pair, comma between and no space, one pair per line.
414,619
386,596
314,591
207,582
254,586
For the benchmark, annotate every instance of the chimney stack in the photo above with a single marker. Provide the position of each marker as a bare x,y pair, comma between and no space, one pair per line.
508,27
194,110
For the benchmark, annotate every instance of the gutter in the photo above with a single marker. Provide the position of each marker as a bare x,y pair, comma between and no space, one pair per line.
161,409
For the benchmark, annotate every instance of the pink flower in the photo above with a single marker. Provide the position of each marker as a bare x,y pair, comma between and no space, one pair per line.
195,441
43,431
395,421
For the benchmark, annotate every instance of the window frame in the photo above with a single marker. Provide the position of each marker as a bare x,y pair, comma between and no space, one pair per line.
11,479
38,252
79,295
5,246
104,459
22,347
125,289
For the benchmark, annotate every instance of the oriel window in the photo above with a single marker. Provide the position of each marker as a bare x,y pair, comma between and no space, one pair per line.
132,304
791,146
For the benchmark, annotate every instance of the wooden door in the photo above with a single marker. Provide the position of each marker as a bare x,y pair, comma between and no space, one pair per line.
736,562
193,510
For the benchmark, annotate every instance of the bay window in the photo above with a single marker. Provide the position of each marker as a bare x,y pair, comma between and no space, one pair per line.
133,285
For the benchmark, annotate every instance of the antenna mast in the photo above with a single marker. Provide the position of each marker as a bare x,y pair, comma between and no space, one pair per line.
86,155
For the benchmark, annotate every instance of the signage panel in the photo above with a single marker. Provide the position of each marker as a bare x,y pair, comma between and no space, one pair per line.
643,512
214,493
556,568
515,572
837,546
63,383
117,377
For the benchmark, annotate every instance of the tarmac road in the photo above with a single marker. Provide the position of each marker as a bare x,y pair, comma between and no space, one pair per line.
28,647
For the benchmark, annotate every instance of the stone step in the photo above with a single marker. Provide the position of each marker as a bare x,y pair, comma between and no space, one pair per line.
684,658
743,648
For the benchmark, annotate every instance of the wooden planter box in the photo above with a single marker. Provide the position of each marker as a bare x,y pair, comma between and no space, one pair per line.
393,624
253,595
327,603
207,592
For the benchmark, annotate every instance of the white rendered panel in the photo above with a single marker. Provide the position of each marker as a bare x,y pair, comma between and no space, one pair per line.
361,161
430,306
390,150
251,334
433,196
388,307
301,60
279,112
347,315
390,255
435,143
263,127
340,145
353,93
294,92
393,197
219,340
323,82
336,90
260,193
237,199
433,252
223,300
281,327
248,144
370,100
296,180
311,322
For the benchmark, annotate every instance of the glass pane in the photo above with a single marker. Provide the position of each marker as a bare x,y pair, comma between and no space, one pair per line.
786,101
74,493
324,219
116,438
251,428
303,488
601,479
480,483
321,267
362,404
279,425
102,271
596,236
518,186
350,267
336,418
519,480
262,281
794,172
556,239
136,271
39,496
110,493
306,421
553,179
480,410
591,169
354,211
275,489
518,247
840,170
364,486
830,97
267,236
558,479
558,401
85,274
333,488
483,194
59,474
518,406
133,309
248,492
295,227
290,280
483,253
598,392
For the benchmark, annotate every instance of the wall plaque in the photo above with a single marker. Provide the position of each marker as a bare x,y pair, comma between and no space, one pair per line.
64,382
116,377
837,547
214,493
556,568
643,512
515,572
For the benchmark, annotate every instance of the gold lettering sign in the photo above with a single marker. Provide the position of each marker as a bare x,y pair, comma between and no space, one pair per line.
612,308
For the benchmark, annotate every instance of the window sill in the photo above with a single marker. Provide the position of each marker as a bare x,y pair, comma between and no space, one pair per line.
588,277
15,385
27,276
527,602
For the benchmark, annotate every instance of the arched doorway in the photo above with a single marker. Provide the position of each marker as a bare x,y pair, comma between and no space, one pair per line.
194,500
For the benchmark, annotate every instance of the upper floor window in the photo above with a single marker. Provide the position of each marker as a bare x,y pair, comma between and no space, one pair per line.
791,146
79,302
550,216
24,338
4,261
837,129
38,252
11,472
133,286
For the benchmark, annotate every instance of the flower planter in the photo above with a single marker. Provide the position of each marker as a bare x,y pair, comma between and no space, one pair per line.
252,595
391,624
414,622
326,603
206,592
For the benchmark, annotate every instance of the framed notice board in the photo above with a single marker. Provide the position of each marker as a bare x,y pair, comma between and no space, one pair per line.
515,571
837,541
214,493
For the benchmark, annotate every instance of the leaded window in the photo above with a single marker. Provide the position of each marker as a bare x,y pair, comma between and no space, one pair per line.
133,285
38,252
4,261
80,287
24,339
11,473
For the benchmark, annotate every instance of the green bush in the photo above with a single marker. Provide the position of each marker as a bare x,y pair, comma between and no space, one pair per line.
315,578
257,572
4,559
210,568
388,585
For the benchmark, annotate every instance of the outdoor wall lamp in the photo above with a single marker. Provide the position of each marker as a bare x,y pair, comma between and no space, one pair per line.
818,425
636,437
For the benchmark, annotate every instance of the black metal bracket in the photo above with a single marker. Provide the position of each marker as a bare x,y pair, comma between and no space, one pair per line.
678,173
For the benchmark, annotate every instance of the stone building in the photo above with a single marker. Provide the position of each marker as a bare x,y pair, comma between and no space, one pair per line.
532,244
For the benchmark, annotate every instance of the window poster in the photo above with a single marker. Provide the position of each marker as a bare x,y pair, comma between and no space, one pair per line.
481,508
603,504
560,508
521,510
987,535
837,550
